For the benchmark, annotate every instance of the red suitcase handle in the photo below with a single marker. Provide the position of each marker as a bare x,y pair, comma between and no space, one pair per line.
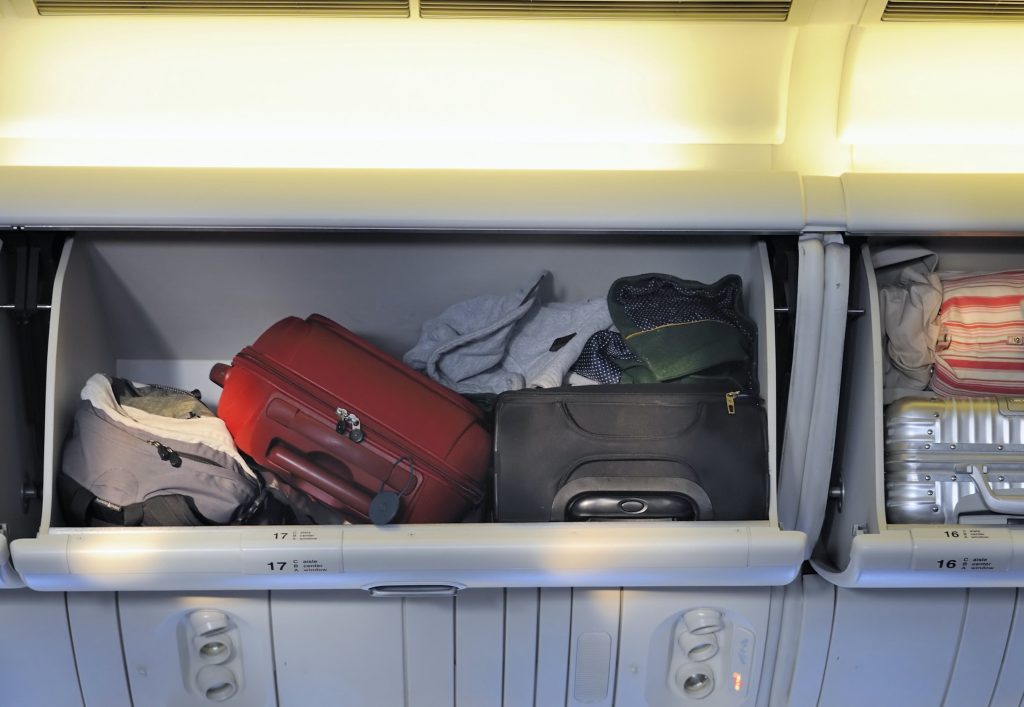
332,490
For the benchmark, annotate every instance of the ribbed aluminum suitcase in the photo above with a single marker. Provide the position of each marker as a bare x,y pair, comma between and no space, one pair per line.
955,460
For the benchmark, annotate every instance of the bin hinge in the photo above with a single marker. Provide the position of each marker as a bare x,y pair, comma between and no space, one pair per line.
27,257
837,494
29,492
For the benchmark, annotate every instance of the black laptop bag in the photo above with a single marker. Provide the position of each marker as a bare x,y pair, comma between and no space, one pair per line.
606,452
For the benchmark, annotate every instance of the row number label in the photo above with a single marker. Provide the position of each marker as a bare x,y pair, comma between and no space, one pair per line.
280,551
961,549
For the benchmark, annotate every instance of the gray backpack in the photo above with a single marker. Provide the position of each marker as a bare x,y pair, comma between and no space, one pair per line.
150,455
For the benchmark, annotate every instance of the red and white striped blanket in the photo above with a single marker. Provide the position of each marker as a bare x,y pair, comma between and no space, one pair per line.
981,340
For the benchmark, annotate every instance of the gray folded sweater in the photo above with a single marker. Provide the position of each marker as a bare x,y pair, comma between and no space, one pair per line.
494,343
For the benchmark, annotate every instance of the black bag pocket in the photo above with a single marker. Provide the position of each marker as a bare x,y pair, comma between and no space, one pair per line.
630,452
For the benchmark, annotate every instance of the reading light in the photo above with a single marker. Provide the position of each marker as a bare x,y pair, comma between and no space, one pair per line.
356,93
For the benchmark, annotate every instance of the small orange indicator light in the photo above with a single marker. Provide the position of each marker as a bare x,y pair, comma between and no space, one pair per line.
737,682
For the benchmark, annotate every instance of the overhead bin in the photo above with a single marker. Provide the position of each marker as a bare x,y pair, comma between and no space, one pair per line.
759,202
859,547
165,306
933,203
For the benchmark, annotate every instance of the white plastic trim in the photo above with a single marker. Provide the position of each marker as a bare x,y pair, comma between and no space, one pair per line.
9,579
887,559
494,555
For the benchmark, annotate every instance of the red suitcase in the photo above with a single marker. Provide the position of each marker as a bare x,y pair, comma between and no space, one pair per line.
351,426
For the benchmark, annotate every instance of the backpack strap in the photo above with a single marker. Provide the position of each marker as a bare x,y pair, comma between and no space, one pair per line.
76,500
173,509
82,508
122,388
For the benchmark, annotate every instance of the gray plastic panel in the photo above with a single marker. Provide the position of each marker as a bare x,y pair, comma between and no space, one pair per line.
164,657
892,647
521,626
553,634
96,632
808,610
217,292
479,648
486,647
983,642
37,661
920,648
514,648
428,654
1010,683
771,643
338,648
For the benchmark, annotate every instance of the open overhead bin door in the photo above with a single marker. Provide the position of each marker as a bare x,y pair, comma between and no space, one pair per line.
26,271
112,314
16,443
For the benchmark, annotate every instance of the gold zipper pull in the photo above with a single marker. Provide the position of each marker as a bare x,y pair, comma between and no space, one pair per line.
730,401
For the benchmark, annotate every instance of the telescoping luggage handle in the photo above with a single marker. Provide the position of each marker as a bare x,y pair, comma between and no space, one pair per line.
1008,504
301,467
380,508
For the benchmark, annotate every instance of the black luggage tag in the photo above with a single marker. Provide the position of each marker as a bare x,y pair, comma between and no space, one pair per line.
385,505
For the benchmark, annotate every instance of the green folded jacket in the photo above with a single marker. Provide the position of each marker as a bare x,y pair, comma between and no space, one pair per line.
681,329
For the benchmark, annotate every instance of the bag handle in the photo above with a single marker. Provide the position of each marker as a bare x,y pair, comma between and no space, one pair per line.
320,483
1011,406
1004,503
606,493
219,373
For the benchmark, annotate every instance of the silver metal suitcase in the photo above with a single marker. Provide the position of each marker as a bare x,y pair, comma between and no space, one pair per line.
955,460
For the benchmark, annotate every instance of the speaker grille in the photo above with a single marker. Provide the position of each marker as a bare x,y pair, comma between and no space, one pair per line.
593,667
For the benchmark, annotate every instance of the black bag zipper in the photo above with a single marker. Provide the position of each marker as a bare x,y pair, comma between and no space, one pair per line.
730,397
174,457
166,453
